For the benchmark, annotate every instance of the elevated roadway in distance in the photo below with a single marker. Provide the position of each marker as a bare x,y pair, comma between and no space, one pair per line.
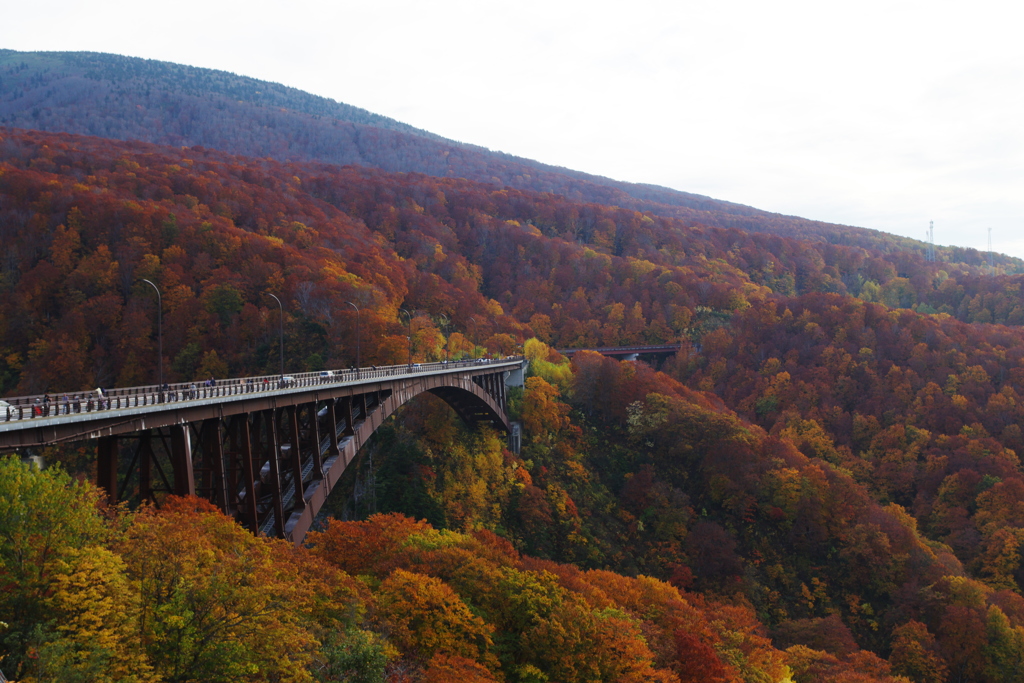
627,352
266,450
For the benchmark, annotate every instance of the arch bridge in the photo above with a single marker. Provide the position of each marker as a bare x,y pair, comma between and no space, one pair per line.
266,450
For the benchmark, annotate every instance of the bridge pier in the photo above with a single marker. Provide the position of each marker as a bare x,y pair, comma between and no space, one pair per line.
315,442
346,407
295,454
181,461
242,427
332,422
106,466
145,465
274,456
214,473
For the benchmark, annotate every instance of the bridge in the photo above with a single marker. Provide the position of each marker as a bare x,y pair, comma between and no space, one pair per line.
266,450
627,352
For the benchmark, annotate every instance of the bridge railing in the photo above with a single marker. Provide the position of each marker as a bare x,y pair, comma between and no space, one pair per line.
74,403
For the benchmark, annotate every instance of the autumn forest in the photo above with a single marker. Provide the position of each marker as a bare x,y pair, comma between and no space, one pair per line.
823,484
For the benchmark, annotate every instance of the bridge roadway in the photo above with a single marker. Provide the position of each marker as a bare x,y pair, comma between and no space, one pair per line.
629,352
266,450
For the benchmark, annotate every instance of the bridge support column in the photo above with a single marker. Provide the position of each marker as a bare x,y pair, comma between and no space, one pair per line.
346,408
516,376
106,466
245,444
332,424
361,404
213,452
145,467
275,474
296,453
181,460
314,436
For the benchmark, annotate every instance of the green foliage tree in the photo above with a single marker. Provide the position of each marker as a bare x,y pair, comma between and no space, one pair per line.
47,520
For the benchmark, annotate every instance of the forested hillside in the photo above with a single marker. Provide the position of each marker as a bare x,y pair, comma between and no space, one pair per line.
83,219
822,485
135,99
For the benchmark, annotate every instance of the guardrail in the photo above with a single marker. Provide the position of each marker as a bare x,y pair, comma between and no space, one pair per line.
74,403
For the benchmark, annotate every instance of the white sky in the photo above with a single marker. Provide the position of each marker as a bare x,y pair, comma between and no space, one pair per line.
882,114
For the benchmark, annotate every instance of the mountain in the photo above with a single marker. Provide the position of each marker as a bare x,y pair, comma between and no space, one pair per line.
128,98
82,218
824,481
764,479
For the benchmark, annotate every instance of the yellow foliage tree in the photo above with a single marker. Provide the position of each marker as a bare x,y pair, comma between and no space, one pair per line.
424,616
217,602
96,612
543,414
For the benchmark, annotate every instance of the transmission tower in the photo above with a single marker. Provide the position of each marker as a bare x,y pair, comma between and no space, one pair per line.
931,240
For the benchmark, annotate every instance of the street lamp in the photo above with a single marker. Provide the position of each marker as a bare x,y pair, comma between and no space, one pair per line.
445,329
280,306
408,317
358,361
159,330
475,333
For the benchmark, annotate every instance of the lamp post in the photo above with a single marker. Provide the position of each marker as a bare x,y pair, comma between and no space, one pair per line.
159,330
280,306
445,329
408,317
358,360
472,319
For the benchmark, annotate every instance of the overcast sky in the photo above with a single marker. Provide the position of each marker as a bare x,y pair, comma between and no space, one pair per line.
879,114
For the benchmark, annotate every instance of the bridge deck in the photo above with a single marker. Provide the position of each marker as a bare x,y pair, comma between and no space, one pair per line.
33,420
265,450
